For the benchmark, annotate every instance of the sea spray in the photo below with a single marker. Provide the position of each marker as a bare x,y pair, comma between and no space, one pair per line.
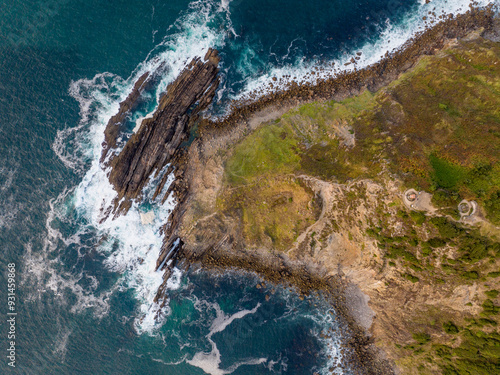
386,38
130,247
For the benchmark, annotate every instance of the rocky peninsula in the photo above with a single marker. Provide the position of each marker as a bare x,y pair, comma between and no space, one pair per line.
307,186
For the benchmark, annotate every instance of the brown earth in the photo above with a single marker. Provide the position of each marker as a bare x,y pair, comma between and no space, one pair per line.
372,296
333,254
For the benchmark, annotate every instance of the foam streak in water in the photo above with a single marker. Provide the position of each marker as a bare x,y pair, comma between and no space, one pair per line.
210,362
130,243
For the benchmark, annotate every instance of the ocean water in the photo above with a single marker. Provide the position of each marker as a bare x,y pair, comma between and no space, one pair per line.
84,288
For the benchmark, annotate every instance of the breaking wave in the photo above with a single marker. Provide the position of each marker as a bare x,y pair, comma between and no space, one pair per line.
388,37
80,239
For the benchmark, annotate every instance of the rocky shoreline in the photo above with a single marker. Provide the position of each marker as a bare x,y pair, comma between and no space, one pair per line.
373,77
215,240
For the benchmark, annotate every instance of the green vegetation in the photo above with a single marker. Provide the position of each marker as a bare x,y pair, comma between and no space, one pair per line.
450,328
418,255
472,275
418,216
446,174
492,293
492,206
472,246
453,150
411,278
422,337
489,308
478,354
436,128
481,322
443,198
436,242
447,229
270,150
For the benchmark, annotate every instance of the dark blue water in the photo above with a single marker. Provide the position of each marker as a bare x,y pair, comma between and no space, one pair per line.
83,298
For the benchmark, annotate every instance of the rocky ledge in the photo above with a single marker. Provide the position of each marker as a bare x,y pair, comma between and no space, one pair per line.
157,141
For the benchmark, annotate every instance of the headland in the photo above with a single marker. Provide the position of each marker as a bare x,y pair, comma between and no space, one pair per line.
309,186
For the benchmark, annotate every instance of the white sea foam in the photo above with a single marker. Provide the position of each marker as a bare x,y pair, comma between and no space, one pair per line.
326,331
392,36
210,362
43,267
61,342
130,247
331,340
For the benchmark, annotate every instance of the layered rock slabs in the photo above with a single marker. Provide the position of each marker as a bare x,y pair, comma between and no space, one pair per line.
159,140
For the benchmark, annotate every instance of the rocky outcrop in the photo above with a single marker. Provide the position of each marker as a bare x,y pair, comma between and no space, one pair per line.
132,101
373,77
156,142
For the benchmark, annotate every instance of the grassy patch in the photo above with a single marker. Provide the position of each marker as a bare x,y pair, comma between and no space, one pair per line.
436,127
422,337
270,150
273,211
446,175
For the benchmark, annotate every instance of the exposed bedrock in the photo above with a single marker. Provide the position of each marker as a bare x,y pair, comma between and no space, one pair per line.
156,142
115,123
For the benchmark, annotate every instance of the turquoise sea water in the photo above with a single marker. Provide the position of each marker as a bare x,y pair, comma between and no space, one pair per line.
84,288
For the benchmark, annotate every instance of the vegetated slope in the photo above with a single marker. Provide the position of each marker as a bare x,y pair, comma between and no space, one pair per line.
324,183
437,128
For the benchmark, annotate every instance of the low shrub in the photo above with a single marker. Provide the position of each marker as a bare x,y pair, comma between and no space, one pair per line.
418,217
422,337
492,293
411,278
450,328
471,275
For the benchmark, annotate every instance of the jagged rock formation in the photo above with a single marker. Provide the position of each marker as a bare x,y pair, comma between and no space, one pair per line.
158,142
126,107
152,147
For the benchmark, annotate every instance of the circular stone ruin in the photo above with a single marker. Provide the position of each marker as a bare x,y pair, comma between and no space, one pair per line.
411,195
464,208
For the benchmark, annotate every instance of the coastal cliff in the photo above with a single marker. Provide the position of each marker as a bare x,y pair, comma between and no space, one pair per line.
306,186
